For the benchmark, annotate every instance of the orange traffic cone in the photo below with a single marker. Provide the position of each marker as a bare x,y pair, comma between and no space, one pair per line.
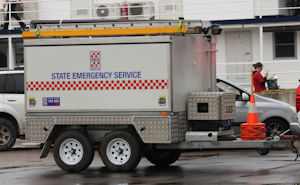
253,130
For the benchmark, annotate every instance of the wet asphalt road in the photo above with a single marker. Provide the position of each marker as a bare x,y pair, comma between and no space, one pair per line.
23,166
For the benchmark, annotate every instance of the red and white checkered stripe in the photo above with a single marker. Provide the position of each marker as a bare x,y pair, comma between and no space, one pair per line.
95,64
97,85
95,55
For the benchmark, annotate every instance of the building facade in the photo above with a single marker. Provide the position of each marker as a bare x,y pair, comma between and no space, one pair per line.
264,31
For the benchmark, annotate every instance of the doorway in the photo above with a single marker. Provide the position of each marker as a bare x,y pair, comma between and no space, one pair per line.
238,50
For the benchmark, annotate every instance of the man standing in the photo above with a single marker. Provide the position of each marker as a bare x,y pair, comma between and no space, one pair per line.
15,15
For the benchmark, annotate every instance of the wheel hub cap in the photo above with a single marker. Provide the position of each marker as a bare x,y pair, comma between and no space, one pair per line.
274,129
71,151
118,151
4,135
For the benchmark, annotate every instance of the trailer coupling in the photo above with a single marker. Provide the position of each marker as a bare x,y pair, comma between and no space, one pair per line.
295,130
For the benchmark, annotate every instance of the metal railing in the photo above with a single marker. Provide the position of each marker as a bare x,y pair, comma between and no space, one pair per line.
156,6
257,10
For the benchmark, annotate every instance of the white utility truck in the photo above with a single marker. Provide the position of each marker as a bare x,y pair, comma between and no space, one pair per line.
126,88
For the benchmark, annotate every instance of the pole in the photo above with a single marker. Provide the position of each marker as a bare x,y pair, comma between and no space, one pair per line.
251,81
213,64
261,43
91,9
9,15
11,63
260,9
173,9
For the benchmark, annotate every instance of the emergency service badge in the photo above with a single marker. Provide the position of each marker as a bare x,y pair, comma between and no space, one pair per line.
51,101
95,61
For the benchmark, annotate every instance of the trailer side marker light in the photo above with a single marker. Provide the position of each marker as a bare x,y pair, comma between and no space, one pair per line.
164,113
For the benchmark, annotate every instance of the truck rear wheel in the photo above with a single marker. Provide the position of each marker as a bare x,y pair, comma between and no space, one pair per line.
73,151
162,157
120,151
8,134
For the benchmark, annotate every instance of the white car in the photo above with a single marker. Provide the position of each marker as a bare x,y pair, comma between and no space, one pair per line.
12,108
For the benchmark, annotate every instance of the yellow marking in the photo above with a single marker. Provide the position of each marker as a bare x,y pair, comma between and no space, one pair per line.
162,96
31,97
251,81
105,32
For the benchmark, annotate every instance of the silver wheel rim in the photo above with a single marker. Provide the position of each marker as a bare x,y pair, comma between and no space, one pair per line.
274,129
118,151
71,151
4,135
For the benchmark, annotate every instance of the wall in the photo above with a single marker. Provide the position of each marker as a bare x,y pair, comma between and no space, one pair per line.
56,6
286,69
221,47
234,10
289,66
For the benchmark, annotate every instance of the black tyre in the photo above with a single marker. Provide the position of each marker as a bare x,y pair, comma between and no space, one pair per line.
162,157
275,127
263,151
120,151
8,134
73,151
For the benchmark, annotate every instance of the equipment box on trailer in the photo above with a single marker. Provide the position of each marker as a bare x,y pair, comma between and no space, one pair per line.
154,73
126,88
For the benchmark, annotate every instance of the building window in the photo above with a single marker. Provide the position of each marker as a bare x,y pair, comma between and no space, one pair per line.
18,51
285,44
3,53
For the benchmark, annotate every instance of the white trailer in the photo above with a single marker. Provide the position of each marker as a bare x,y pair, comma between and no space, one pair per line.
126,88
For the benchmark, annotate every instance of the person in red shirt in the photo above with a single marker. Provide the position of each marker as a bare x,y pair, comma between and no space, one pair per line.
258,80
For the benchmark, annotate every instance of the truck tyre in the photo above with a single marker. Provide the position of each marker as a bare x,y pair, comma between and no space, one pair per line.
162,157
8,134
73,151
274,127
120,151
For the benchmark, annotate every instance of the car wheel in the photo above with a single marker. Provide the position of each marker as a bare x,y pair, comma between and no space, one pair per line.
8,134
162,157
275,127
73,151
120,151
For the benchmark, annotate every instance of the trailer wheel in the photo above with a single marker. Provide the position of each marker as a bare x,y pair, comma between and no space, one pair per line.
73,151
263,151
162,157
120,151
8,134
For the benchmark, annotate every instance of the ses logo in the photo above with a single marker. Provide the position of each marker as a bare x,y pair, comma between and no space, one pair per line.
95,60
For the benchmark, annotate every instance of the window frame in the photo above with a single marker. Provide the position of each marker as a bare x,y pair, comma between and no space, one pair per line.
295,46
231,85
14,75
14,85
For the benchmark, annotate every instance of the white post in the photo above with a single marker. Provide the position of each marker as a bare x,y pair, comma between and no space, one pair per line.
91,10
173,9
156,10
213,62
261,43
260,9
9,15
11,63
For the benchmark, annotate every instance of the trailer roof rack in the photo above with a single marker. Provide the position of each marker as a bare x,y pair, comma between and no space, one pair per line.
81,28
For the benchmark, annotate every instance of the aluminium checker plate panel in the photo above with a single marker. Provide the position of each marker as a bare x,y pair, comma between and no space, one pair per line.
37,129
155,129
221,105
152,129
182,126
